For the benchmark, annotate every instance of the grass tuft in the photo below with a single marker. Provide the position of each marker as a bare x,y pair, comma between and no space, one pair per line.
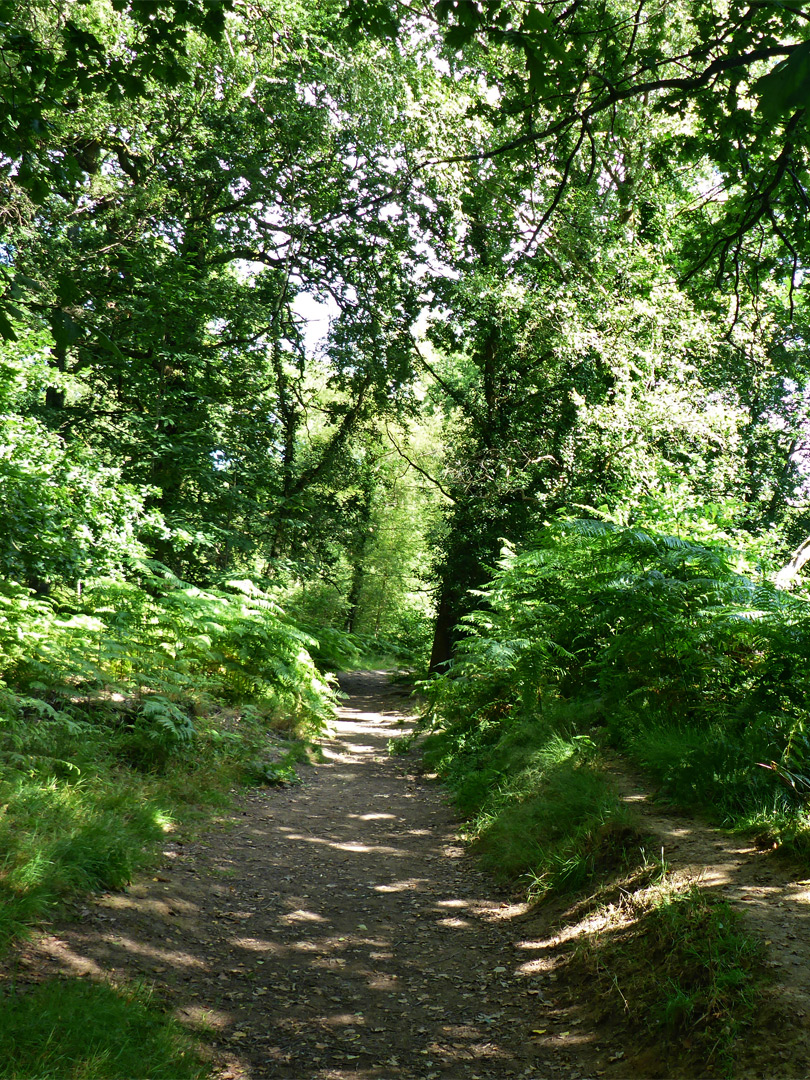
59,837
73,1029
684,975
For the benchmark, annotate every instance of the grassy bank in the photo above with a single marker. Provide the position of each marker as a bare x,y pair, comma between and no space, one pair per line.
125,708
129,713
598,645
670,967
78,1030
93,824
677,654
90,818
538,806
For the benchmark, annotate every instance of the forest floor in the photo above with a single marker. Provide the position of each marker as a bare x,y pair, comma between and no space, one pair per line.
340,931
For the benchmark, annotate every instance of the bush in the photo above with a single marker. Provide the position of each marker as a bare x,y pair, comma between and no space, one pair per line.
650,627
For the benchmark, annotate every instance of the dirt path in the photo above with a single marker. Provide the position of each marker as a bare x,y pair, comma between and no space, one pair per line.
773,900
331,931
338,930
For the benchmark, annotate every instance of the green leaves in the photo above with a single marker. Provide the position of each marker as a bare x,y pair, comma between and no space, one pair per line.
648,628
6,329
66,331
787,86
375,17
162,651
540,45
56,63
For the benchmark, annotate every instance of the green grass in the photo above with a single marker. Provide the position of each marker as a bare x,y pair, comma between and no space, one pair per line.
556,818
540,807
683,975
714,768
78,1030
60,837
726,776
91,818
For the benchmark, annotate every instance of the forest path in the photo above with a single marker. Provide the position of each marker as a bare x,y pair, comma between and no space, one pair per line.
339,931
334,930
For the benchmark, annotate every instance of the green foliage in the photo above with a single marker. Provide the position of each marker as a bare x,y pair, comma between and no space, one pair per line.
717,90
107,711
61,835
278,765
156,647
685,975
56,58
656,643
615,395
363,590
334,649
75,1029
556,819
708,934
165,304
64,515
539,806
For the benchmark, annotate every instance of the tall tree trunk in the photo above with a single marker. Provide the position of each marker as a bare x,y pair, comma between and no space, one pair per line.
442,652
358,570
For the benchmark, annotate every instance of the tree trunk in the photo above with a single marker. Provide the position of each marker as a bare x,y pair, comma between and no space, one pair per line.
442,651
797,560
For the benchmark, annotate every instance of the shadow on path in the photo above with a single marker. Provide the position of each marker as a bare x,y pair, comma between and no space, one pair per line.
334,930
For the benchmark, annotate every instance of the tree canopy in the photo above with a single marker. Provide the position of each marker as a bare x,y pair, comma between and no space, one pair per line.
320,305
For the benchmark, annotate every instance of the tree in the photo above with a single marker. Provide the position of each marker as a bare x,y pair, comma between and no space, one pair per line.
277,159
174,263
737,82
623,401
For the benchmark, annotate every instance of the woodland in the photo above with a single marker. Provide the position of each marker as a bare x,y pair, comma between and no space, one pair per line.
469,337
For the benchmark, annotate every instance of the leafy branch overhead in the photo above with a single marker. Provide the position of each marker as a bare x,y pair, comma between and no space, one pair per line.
568,78
54,60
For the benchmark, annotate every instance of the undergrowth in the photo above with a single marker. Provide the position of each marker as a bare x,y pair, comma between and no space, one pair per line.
539,807
125,709
624,639
600,639
679,970
72,1029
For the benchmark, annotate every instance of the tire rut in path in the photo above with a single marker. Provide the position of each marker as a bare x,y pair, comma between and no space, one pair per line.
334,931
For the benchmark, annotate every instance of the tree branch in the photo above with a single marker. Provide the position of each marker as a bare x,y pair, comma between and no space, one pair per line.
419,469
687,84
797,560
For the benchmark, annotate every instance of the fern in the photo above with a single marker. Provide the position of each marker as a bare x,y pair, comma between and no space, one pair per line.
660,630
149,648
